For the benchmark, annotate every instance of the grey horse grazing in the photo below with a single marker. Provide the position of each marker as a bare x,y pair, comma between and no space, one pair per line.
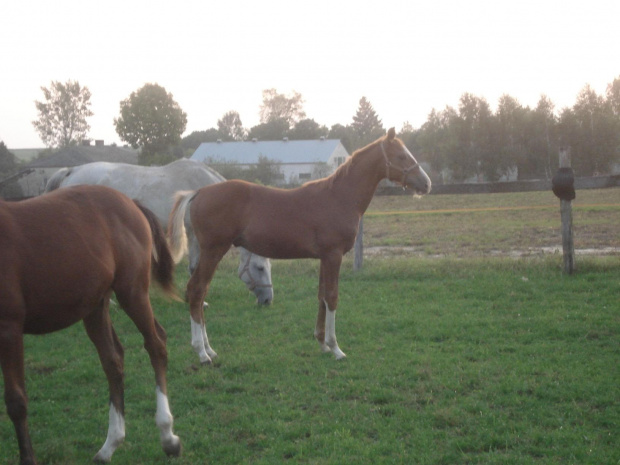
154,187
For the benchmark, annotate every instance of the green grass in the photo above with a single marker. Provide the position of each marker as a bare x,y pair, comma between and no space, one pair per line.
466,359
449,362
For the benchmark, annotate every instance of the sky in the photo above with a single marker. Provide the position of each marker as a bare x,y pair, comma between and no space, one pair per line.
406,57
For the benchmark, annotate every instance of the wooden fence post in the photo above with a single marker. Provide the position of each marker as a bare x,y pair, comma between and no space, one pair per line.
563,188
358,260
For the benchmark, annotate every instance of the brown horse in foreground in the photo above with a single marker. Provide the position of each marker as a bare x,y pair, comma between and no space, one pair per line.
317,220
62,255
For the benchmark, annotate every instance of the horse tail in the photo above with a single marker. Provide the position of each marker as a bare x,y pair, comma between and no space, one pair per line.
57,178
162,265
177,236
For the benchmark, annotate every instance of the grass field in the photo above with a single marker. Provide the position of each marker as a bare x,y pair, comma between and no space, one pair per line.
468,358
491,224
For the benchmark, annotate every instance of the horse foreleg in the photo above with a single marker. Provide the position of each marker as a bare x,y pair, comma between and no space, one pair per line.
12,361
328,301
319,329
330,333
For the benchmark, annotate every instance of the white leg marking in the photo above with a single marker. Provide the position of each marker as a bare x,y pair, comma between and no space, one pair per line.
324,347
210,351
198,342
163,419
116,435
330,333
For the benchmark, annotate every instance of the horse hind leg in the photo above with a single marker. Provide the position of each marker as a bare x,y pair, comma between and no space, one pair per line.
171,443
197,288
12,362
138,308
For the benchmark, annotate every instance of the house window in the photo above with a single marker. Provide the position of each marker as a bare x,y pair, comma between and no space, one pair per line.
339,161
304,176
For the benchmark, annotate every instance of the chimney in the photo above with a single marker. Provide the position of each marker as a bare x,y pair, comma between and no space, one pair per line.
285,139
254,139
85,143
99,143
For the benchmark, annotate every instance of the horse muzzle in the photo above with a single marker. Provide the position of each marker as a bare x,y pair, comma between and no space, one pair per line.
264,295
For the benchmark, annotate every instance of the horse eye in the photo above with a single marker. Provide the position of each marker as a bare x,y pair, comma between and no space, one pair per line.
260,268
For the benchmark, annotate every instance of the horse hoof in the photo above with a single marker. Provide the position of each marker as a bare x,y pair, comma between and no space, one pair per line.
99,459
206,361
173,448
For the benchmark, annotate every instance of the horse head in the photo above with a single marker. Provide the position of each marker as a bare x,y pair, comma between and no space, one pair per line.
401,166
255,272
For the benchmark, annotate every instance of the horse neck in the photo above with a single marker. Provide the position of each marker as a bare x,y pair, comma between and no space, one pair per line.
358,182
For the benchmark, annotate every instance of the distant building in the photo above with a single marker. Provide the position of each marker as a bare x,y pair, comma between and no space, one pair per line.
298,160
39,171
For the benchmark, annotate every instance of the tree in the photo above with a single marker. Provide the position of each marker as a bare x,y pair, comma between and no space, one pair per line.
230,127
62,116
409,135
438,141
150,118
613,97
345,135
277,106
193,140
509,141
366,124
473,132
8,165
593,137
273,130
307,129
542,146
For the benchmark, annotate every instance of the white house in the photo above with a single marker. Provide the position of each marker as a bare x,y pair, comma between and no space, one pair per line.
298,160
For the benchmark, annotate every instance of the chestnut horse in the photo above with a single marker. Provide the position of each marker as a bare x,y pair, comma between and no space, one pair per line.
61,257
154,187
317,220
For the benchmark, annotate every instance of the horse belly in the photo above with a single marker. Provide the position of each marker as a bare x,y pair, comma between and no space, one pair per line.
287,241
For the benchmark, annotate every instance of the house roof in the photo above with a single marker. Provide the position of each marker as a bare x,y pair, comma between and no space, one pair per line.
284,151
81,154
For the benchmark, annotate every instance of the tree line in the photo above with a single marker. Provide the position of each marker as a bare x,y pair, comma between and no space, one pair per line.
462,143
470,141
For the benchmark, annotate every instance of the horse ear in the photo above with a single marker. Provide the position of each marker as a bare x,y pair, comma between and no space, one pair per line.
391,134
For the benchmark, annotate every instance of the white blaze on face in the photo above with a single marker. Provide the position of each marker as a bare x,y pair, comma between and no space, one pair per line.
422,173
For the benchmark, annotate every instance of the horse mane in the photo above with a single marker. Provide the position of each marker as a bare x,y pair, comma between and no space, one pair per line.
344,169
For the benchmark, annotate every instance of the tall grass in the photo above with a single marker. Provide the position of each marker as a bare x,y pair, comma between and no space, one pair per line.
450,361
